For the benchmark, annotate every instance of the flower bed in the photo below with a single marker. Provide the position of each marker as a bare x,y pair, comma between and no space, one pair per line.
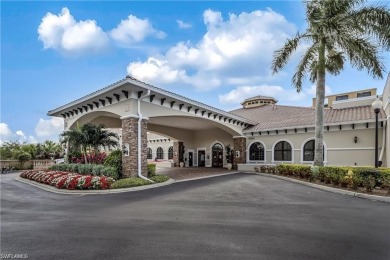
70,181
361,179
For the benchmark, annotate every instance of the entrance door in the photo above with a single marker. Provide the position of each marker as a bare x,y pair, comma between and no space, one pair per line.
217,156
201,159
190,158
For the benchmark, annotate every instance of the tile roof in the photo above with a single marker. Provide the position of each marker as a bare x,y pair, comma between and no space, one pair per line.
280,117
258,97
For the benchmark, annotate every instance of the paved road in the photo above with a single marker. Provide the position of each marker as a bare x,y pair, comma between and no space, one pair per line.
239,216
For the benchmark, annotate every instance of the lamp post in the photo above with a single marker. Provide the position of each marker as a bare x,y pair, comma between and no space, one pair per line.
376,105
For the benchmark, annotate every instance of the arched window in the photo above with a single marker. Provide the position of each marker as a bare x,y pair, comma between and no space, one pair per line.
217,147
150,153
282,151
256,152
308,151
160,153
170,153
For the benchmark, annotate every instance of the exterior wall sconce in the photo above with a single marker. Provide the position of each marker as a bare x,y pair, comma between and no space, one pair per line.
355,139
126,149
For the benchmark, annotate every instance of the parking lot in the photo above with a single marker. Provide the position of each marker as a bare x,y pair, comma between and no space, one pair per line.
234,216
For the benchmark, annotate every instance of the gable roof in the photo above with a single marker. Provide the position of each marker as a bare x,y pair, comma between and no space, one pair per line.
131,82
270,117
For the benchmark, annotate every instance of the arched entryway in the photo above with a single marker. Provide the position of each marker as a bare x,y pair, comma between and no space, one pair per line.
217,155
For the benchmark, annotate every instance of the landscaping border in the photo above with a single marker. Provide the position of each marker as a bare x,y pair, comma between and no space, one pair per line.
329,189
88,192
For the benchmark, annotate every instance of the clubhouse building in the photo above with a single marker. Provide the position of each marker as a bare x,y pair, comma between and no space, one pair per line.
155,124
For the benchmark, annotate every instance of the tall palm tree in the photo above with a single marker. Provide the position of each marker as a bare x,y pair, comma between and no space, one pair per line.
337,30
89,137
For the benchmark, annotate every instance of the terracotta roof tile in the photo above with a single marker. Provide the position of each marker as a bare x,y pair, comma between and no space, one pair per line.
279,117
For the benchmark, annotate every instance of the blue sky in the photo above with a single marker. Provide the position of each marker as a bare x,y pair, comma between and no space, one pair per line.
216,52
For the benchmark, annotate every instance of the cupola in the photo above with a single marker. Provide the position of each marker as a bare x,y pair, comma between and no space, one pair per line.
258,101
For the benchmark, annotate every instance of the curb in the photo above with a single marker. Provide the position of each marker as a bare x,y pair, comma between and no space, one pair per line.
92,192
330,189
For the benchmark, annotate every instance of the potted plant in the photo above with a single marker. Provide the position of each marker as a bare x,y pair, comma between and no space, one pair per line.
229,157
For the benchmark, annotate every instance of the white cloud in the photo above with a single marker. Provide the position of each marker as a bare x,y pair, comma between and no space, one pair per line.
238,49
6,134
212,18
133,30
238,94
156,68
32,140
21,135
62,33
183,25
5,131
49,128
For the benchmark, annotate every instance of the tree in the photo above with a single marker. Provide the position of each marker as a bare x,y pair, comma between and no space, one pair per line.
337,30
89,137
51,149
23,157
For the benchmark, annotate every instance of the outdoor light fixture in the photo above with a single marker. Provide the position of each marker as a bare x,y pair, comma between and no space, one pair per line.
376,105
355,139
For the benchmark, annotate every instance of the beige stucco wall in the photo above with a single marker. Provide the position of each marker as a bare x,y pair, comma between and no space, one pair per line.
351,95
194,141
164,145
340,148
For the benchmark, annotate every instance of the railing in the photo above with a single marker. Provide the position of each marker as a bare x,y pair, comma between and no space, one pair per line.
42,164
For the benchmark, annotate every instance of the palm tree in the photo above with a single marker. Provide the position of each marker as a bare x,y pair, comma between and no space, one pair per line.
90,138
99,137
75,139
337,30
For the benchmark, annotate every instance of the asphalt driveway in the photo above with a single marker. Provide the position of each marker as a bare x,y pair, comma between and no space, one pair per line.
235,216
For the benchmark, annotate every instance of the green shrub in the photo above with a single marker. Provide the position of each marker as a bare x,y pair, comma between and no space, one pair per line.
356,181
298,170
151,170
114,159
129,182
284,169
93,169
366,172
369,183
159,178
386,182
109,171
97,170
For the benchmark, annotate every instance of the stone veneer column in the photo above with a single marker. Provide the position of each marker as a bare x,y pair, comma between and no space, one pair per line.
239,145
130,136
176,155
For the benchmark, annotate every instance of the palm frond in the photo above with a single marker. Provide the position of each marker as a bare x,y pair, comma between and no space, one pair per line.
374,21
282,55
362,54
303,66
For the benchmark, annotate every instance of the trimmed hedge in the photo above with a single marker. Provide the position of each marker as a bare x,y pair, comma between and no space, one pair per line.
151,170
353,177
87,169
135,181
114,159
